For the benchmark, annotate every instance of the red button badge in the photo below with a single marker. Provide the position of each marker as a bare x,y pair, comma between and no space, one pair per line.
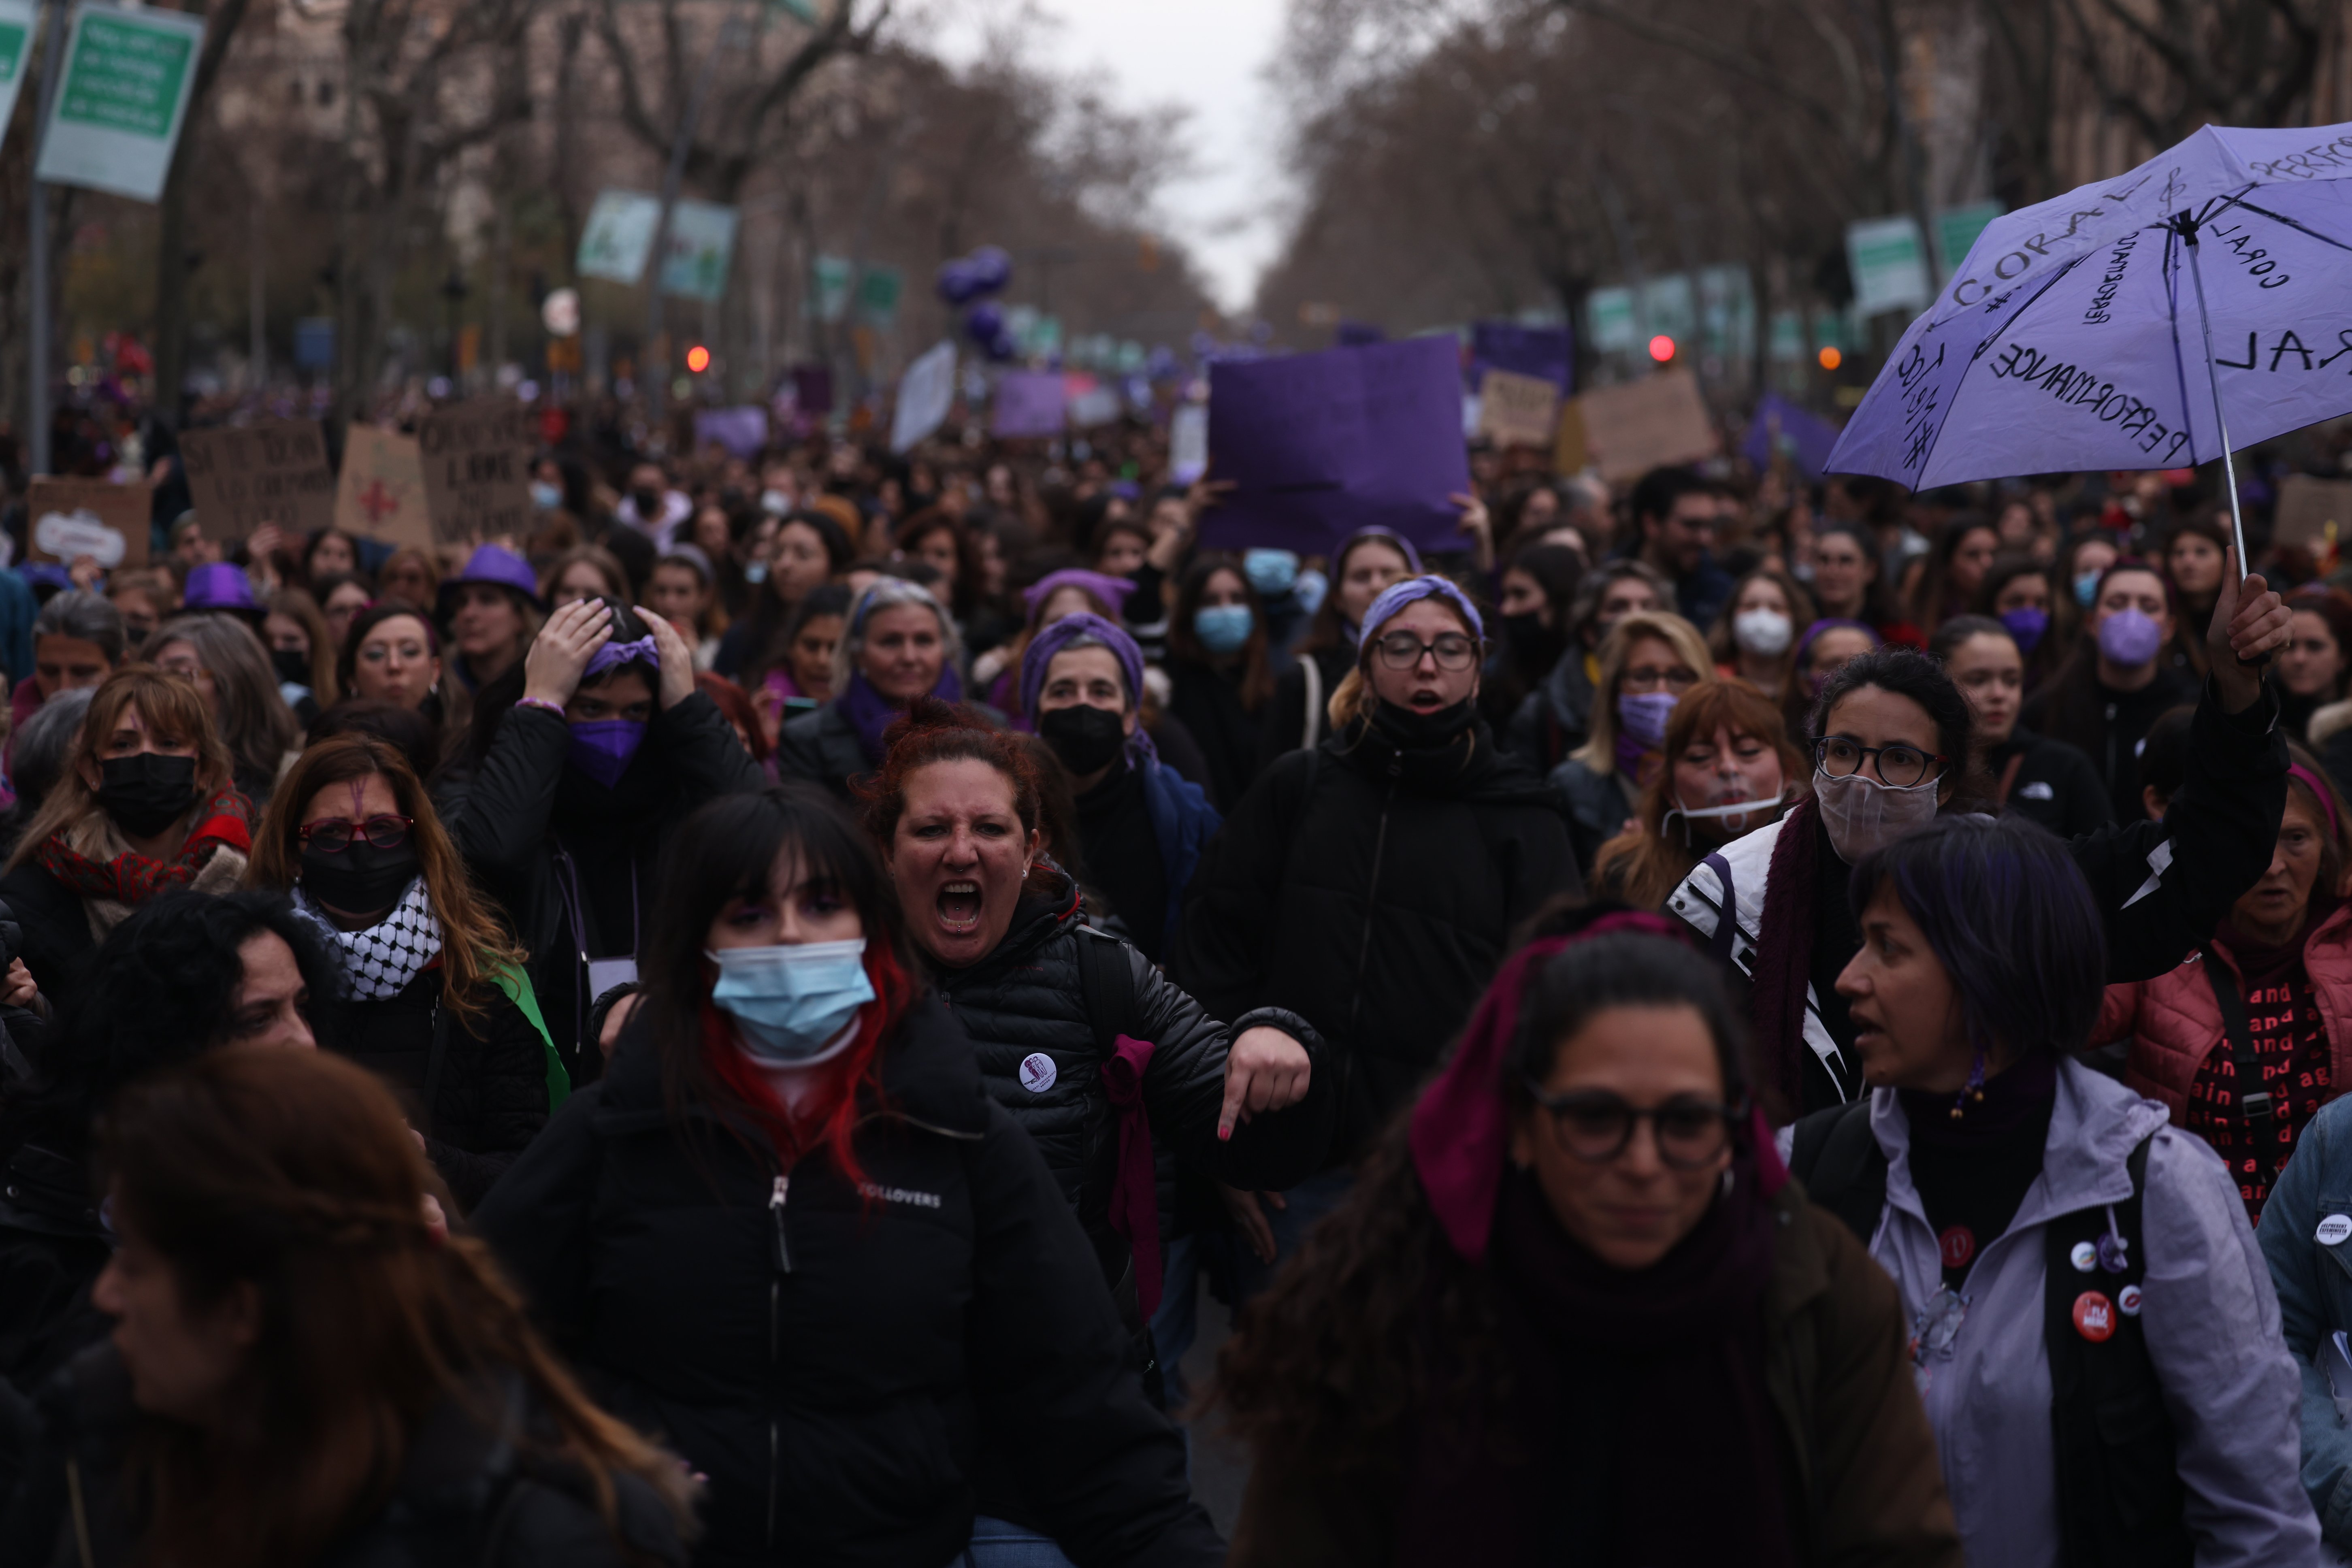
1957,1244
2095,1316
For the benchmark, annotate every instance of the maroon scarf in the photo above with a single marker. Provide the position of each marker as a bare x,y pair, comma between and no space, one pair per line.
1784,955
131,878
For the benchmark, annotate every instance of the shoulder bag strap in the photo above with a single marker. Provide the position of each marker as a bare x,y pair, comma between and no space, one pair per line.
1313,672
1108,983
2008,782
2255,1102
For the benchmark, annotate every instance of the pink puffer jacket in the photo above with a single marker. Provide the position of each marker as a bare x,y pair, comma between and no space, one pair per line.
2174,1024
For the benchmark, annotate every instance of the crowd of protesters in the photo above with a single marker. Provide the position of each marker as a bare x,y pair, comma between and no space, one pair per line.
738,1024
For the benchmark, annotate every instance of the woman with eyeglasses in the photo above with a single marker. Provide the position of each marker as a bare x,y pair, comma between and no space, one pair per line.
1890,739
223,659
2093,1328
1647,662
436,1000
1576,1313
1372,884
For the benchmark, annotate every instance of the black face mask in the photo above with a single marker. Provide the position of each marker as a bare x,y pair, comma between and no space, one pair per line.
649,504
292,665
147,793
362,879
1088,740
1415,732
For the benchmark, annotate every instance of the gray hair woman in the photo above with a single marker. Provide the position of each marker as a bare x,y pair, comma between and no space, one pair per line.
231,671
899,644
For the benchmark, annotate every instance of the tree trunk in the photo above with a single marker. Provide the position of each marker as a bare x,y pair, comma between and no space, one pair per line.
221,23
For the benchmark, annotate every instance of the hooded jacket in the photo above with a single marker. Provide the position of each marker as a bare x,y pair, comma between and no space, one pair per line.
1371,889
529,823
2313,1275
838,1358
2208,1310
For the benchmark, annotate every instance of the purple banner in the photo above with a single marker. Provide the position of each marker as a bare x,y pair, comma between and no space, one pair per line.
1547,353
1358,335
1779,422
741,431
1029,403
1319,444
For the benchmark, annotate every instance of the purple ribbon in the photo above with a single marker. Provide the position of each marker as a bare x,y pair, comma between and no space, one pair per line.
644,650
1134,1189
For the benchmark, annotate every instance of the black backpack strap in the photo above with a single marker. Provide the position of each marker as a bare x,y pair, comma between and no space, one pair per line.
2255,1102
1107,981
1837,1157
2121,1503
1727,915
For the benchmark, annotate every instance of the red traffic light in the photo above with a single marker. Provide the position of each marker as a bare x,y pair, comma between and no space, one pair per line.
697,359
1661,348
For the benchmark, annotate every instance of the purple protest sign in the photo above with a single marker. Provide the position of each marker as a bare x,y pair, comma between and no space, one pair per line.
1778,422
813,389
1317,446
1547,353
741,431
1029,403
1358,335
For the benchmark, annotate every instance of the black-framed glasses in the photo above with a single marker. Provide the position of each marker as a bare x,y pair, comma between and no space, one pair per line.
385,832
1898,767
1402,650
1597,1126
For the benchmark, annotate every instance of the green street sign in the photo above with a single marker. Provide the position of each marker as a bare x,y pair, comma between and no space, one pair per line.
121,100
1957,229
877,295
829,287
17,21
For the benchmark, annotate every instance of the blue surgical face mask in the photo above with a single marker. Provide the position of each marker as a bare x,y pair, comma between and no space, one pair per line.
757,572
789,1003
544,496
1223,628
1270,572
2086,588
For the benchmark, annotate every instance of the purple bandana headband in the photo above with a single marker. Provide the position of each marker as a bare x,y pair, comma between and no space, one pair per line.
644,650
1052,639
1831,623
1388,537
1111,590
1400,594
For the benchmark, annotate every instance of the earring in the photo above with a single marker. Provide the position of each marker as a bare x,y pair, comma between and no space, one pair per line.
1973,1091
1727,1181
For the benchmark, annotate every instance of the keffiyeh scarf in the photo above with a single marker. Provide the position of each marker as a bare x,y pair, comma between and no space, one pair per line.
380,961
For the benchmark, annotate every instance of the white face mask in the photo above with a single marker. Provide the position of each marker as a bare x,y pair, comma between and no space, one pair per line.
1758,810
1764,633
1862,815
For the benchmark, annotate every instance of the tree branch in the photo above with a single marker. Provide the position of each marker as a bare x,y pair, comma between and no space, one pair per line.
1727,61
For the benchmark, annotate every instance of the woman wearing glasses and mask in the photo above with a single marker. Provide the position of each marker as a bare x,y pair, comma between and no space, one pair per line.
1370,884
1573,1278
1890,735
435,997
1647,662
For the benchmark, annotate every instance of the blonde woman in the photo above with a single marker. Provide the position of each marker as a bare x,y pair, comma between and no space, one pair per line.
1647,661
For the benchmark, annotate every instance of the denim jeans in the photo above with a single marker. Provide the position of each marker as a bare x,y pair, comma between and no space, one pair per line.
1308,1202
996,1543
1177,1322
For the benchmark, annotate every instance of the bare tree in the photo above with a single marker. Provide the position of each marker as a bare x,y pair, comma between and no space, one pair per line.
2172,66
221,23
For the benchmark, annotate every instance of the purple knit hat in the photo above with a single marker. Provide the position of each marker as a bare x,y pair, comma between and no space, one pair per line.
500,567
1430,586
1052,639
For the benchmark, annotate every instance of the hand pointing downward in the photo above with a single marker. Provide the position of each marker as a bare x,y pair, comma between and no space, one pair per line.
1264,1070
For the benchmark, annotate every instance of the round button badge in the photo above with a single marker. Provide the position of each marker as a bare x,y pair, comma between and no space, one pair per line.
1957,1244
2127,1301
2335,1229
2095,1316
2085,1258
1037,1072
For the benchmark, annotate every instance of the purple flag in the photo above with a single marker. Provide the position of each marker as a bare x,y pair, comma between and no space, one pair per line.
1029,403
1547,353
1318,446
1778,421
741,431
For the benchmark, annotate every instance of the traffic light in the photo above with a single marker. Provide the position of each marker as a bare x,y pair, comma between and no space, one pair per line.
697,359
1661,348
1831,358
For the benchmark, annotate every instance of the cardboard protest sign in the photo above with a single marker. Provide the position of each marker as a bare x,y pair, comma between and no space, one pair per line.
477,469
1641,425
1317,446
67,519
1517,410
243,475
2309,508
381,491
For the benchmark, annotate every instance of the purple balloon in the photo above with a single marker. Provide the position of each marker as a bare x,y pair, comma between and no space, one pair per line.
1002,348
956,283
984,323
991,269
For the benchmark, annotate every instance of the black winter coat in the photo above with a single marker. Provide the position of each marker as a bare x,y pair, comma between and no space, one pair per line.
2054,784
1028,998
526,814
466,1494
1372,891
58,947
822,747
52,1247
1208,701
491,1099
835,1357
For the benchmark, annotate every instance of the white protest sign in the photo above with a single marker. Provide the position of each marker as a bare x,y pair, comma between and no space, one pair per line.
1188,443
619,237
1889,265
701,243
17,21
119,101
924,394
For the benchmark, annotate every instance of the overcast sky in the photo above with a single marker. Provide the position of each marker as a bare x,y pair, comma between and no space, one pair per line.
1204,55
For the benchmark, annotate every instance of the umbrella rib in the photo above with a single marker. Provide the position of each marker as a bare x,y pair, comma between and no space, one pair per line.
2172,314
2282,217
1978,354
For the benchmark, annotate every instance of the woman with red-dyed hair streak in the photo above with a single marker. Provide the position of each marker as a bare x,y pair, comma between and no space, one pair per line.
789,1230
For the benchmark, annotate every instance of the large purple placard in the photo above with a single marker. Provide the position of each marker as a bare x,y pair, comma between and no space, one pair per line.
1317,446
1547,353
1029,403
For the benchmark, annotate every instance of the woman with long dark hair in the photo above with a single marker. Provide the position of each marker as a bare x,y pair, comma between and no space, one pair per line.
789,1229
302,1370
809,550
1220,671
2119,680
1370,561
1574,1277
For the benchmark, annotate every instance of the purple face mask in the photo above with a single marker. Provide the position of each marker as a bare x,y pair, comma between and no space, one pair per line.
602,749
2131,638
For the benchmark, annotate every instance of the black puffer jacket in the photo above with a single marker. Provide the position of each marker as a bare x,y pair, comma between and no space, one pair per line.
822,747
1372,891
836,1357
491,1096
527,815
1029,999
51,1249
466,1493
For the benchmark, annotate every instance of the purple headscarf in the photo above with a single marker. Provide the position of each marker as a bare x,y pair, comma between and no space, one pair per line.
1428,587
1054,638
1396,540
1111,590
1831,623
644,650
